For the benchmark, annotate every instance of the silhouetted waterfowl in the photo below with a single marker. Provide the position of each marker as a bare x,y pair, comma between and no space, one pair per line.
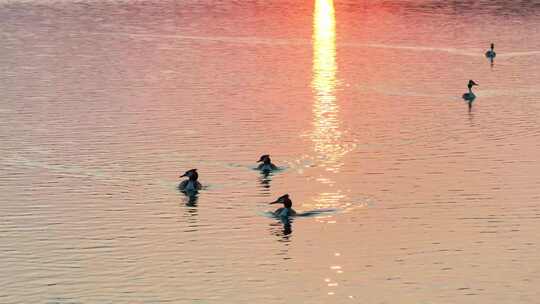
266,164
491,53
191,184
470,95
287,209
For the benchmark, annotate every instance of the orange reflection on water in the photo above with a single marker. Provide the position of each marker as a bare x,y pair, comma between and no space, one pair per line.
327,134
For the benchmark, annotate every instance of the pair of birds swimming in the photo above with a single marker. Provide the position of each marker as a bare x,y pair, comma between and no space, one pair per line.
469,96
191,185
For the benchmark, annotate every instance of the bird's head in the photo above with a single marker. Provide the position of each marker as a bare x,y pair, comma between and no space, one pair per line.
472,83
285,200
264,158
191,174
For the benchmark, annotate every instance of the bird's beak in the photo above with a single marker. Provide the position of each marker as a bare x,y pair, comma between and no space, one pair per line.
183,175
275,202
260,160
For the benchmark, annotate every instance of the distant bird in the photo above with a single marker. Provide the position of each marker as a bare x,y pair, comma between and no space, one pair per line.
287,209
491,53
191,184
266,165
470,95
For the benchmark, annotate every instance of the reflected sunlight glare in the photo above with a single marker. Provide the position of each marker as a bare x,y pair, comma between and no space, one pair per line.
327,134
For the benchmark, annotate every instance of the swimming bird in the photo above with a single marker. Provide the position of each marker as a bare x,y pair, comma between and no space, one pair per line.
266,165
191,184
491,53
470,95
287,209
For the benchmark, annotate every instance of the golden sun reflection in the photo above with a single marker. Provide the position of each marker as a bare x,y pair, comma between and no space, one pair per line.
327,134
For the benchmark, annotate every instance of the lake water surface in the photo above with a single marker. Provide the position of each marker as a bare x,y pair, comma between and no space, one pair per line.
104,103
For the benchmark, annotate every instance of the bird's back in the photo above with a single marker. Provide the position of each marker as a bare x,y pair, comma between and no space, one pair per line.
469,96
491,54
267,167
283,212
189,185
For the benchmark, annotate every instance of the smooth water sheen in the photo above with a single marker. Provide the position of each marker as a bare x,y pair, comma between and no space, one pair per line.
105,103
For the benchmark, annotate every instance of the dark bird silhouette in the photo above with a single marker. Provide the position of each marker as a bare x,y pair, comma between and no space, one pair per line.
470,95
191,184
287,209
491,53
266,164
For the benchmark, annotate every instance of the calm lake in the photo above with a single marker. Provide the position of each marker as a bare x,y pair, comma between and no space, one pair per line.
105,103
